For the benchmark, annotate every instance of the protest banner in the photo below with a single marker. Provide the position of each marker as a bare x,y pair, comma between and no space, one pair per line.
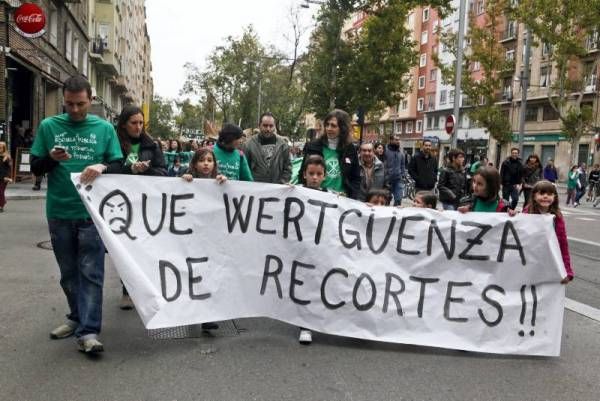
195,252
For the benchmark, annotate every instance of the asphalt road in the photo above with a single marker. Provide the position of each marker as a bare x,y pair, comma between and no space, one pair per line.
260,359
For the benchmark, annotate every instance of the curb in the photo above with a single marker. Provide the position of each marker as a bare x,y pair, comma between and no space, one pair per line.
24,197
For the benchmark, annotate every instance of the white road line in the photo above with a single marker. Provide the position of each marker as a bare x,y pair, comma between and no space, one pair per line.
583,241
585,219
582,309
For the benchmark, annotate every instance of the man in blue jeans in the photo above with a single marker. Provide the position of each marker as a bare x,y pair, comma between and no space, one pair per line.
395,168
70,143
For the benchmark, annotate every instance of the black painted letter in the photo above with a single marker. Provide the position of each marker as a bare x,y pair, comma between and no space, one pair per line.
162,266
508,226
330,273
493,303
195,279
371,302
295,282
356,241
268,273
174,199
449,300
423,282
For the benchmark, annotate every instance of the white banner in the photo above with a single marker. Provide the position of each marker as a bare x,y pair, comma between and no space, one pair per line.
196,252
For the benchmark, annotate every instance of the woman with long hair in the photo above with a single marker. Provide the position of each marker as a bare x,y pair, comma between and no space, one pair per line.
142,156
340,154
532,173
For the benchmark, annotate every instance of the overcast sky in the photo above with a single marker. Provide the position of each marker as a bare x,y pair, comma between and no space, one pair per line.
188,30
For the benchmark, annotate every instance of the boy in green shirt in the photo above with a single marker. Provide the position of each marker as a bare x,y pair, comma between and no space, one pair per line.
230,162
65,144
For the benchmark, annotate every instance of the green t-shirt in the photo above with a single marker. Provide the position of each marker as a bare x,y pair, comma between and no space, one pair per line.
572,180
474,167
185,158
489,207
170,158
91,141
133,155
333,178
232,165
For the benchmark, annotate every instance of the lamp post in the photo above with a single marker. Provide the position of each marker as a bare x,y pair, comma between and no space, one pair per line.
524,86
459,62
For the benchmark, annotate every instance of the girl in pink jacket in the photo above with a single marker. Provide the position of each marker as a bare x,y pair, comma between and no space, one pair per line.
544,200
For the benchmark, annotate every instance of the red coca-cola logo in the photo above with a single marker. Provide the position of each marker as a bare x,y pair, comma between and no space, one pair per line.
30,18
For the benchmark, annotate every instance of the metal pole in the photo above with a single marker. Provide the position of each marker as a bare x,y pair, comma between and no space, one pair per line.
524,86
459,62
259,100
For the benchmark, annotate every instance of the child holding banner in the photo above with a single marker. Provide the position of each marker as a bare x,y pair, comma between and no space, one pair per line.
203,165
425,199
544,200
313,174
486,186
378,197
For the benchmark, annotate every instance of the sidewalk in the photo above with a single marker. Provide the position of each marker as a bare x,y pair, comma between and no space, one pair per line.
23,191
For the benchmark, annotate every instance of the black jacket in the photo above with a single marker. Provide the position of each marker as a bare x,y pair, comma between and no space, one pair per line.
452,185
5,169
349,166
424,171
511,171
148,151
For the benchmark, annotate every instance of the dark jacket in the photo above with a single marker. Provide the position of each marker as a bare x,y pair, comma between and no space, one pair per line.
395,166
550,173
148,151
424,171
349,165
280,169
511,171
5,169
377,179
452,186
531,176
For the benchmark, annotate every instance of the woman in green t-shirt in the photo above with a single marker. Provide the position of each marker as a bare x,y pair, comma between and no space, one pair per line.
340,154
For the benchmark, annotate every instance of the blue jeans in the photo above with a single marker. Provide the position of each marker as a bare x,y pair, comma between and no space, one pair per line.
79,252
397,188
510,191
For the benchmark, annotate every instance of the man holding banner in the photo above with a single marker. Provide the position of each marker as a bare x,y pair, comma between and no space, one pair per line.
69,143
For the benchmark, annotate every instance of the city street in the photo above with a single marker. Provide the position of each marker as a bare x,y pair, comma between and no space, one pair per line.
260,359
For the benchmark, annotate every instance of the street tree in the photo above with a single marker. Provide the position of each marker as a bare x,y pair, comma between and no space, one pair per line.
160,124
485,50
190,117
569,30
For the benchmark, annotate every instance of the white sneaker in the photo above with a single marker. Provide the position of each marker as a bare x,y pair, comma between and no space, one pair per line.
63,331
305,337
90,345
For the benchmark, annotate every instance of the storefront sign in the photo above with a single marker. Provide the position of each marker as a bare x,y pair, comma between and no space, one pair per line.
30,20
541,138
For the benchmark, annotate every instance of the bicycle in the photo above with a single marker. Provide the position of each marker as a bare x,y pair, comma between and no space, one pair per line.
409,188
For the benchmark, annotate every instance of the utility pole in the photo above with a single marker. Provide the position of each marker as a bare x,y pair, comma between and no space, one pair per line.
459,63
524,87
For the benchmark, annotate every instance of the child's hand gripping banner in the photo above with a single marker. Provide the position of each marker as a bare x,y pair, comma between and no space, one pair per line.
196,252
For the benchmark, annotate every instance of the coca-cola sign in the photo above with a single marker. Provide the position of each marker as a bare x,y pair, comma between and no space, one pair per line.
30,20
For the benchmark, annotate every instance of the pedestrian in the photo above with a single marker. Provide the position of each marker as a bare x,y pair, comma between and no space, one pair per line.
268,154
5,173
532,173
177,169
425,199
174,149
594,183
486,186
314,172
423,168
452,187
395,168
380,151
572,178
544,200
230,162
339,153
71,143
550,172
372,171
581,184
511,172
142,156
378,197
186,154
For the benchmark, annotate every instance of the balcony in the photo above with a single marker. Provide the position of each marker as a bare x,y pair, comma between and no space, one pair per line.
592,43
98,46
511,33
120,84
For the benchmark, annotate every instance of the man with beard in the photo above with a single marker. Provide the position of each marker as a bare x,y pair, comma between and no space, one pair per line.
70,143
395,168
268,154
423,168
372,171
511,172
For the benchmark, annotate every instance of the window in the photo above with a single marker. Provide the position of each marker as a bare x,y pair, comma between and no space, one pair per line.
422,82
480,6
531,113
592,41
451,97
545,76
507,89
76,52
584,150
409,127
511,30
420,103
430,121
419,126
548,152
397,127
423,60
443,94
430,102
546,49
590,77
509,55
549,114
476,66
68,44
403,106
53,26
103,30
425,14
424,37
84,66
433,74
441,122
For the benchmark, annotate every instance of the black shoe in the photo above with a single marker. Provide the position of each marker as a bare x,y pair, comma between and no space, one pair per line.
36,187
210,326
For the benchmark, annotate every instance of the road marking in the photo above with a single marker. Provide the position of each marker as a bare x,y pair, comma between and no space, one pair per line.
582,309
585,219
583,241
